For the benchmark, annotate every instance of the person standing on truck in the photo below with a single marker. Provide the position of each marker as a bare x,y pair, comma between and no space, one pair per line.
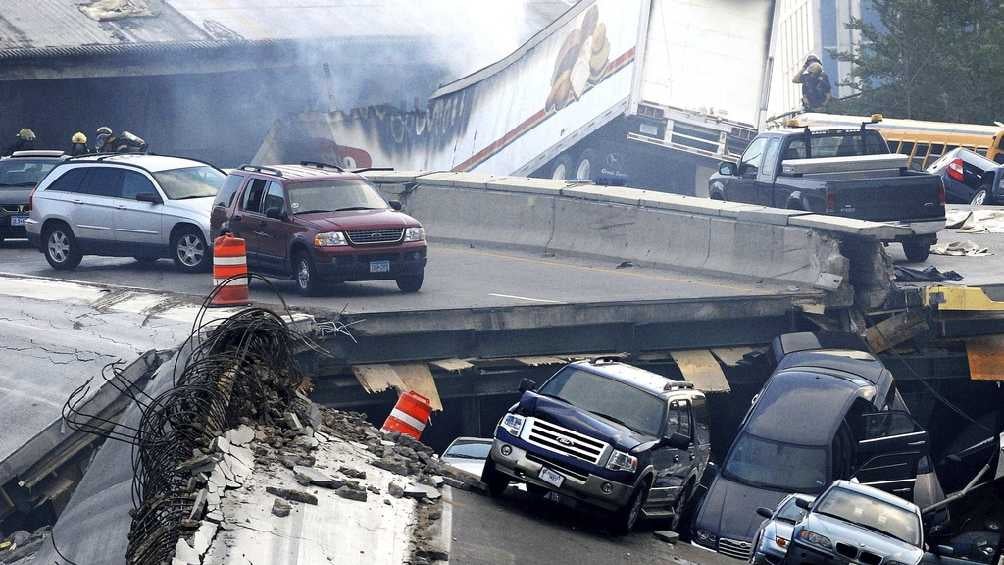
815,84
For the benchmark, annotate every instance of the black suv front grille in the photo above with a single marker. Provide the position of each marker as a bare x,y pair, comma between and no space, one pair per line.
370,237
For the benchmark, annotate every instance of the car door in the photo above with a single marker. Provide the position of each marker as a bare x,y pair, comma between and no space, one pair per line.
672,465
139,225
93,213
888,454
702,433
767,173
273,232
246,218
743,187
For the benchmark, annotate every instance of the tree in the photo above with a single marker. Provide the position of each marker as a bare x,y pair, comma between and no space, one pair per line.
928,59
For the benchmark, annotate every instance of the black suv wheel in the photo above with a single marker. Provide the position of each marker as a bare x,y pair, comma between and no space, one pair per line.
625,519
60,247
493,479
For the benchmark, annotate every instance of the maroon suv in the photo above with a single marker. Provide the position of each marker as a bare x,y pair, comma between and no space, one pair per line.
316,223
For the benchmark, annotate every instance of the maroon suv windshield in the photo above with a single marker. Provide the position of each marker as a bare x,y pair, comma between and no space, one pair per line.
333,196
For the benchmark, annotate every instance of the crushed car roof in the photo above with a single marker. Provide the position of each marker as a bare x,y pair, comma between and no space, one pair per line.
796,395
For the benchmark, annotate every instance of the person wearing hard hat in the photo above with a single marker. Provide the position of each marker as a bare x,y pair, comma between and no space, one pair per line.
104,140
815,84
25,141
79,147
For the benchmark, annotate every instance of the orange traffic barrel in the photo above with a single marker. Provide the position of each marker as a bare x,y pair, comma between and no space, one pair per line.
410,415
230,260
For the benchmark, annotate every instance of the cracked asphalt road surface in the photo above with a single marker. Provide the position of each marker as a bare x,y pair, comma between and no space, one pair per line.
49,348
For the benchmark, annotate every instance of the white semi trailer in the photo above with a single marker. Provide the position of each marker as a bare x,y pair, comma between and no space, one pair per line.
649,93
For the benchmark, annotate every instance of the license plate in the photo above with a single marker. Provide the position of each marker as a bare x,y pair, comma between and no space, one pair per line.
18,220
379,266
550,477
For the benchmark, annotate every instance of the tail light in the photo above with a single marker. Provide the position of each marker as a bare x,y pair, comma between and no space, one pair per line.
31,198
956,170
942,197
831,202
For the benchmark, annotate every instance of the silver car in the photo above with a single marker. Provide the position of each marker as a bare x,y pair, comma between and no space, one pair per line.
141,206
856,523
468,454
771,541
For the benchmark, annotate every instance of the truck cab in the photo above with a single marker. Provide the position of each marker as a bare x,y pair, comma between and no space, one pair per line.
609,435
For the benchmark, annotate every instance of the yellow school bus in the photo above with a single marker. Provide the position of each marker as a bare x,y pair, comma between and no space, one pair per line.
924,142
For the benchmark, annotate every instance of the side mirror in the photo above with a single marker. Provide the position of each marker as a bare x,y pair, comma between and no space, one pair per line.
727,169
527,384
803,504
274,213
151,197
676,440
944,550
395,205
765,512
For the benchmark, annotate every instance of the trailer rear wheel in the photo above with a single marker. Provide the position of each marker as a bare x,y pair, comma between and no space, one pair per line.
562,167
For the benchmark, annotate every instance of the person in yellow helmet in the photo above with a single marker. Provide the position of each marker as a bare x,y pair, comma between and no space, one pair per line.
25,141
79,147
815,84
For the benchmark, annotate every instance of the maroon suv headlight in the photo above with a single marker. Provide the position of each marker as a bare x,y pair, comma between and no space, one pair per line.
414,234
330,239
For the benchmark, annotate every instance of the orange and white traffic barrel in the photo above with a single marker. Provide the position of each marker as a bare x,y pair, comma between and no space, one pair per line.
410,415
230,260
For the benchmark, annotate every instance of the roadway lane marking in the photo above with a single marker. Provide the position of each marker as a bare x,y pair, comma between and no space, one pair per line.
525,298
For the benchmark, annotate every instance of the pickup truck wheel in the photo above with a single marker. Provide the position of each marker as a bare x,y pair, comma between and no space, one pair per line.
624,520
305,274
493,479
190,252
411,283
917,250
61,248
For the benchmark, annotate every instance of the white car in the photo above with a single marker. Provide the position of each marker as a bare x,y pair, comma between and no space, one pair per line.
468,454
142,206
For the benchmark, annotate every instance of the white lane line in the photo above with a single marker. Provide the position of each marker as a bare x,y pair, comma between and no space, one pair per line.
525,298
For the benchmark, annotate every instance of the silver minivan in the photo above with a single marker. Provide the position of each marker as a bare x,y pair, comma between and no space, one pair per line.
142,206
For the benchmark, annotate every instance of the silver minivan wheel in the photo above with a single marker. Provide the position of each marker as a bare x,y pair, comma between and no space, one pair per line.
979,198
191,254
59,246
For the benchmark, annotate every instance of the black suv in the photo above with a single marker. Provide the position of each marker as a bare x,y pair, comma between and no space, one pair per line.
608,434
19,174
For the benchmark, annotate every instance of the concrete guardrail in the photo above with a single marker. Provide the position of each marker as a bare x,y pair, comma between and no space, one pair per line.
650,228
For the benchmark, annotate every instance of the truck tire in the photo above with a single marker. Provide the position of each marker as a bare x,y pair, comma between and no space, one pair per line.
917,250
562,169
494,480
625,519
60,247
587,167
681,512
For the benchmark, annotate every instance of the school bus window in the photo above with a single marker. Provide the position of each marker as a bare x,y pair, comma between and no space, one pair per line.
938,149
921,150
1000,142
906,148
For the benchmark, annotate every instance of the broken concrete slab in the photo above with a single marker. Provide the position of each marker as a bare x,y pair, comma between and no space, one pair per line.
419,491
312,476
292,494
240,436
667,536
203,537
346,491
352,473
280,508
